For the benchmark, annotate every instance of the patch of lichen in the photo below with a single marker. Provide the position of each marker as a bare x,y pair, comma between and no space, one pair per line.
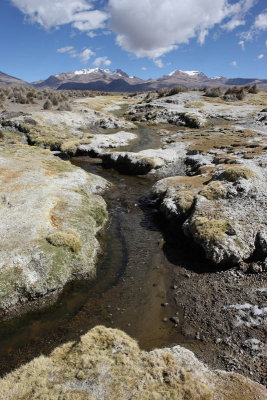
214,190
235,172
205,229
68,238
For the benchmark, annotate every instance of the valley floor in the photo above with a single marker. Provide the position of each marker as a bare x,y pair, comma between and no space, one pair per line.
183,180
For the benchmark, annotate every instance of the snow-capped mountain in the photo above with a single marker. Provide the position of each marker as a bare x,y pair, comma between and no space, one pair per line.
119,81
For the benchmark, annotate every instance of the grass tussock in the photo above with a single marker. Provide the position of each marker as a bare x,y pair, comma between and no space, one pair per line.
69,147
194,104
236,172
185,200
206,230
68,238
214,190
107,364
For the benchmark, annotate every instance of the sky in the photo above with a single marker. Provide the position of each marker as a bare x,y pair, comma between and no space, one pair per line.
144,38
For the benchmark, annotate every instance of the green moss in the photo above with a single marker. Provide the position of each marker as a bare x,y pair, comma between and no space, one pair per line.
68,238
232,174
213,191
94,207
205,229
11,279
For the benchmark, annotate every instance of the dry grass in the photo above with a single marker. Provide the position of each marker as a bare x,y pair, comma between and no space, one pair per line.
69,146
214,190
107,364
185,200
235,172
205,229
68,238
194,104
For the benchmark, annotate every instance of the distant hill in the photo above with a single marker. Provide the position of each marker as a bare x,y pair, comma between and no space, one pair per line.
119,81
8,80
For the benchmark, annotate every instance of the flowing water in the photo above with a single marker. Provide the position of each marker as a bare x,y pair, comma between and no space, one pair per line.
133,278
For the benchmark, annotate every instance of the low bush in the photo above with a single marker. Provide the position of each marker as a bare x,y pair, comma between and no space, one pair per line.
65,106
213,92
47,105
235,93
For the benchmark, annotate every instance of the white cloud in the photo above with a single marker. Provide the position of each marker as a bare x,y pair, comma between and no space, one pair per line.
238,12
151,28
53,13
65,49
85,55
234,63
260,24
261,21
260,56
144,68
242,44
101,61
158,63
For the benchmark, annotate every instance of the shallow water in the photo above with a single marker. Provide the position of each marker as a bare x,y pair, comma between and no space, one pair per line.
133,278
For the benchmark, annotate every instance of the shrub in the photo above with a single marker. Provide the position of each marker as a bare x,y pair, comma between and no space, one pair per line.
235,93
254,89
54,100
65,107
47,105
213,92
68,238
162,92
176,90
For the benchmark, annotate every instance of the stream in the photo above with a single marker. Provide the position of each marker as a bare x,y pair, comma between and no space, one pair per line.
133,278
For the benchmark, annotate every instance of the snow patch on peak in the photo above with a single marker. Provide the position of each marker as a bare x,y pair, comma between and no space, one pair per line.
217,77
91,71
190,73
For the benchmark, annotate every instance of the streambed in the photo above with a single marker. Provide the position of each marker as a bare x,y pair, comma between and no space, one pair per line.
142,281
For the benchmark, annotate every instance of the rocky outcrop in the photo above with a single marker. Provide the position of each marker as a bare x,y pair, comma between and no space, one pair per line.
221,211
50,215
98,142
55,129
108,364
154,161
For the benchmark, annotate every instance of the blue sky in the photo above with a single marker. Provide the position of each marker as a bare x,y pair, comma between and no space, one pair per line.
145,38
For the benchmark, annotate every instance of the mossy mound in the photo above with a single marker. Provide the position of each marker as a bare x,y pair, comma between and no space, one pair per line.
205,229
107,364
235,172
214,190
69,238
185,200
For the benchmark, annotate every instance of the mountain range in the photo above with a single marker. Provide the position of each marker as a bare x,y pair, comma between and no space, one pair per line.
119,81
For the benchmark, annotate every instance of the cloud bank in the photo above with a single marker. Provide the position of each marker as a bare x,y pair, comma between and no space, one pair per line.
152,28
147,28
52,13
